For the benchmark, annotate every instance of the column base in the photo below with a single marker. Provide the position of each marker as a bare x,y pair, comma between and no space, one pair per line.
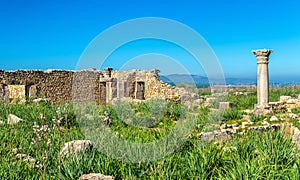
263,109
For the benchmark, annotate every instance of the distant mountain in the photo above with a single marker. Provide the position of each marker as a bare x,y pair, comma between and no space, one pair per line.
202,81
196,79
184,78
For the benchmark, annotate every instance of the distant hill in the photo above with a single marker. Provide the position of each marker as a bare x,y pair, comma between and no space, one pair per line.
201,80
183,78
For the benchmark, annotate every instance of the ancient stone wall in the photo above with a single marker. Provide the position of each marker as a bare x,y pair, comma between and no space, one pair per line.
84,86
134,83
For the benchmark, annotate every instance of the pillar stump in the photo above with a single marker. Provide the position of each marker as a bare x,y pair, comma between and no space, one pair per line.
262,57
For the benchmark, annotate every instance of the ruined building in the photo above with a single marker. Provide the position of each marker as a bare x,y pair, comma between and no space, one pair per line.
85,85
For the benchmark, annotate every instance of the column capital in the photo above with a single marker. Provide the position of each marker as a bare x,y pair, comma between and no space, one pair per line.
262,55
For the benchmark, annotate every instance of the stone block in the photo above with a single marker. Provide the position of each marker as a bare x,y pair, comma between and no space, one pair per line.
13,119
226,105
284,99
273,118
291,101
94,176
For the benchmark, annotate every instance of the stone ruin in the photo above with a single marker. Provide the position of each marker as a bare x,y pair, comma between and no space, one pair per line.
85,85
263,105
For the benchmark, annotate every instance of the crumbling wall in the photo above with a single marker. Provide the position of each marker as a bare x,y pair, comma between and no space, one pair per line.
153,87
157,88
85,86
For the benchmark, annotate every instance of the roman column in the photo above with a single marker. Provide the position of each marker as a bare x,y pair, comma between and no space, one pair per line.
262,57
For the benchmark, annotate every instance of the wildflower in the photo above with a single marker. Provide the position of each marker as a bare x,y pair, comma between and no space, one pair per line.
105,113
58,111
33,141
48,141
35,125
44,128
15,150
54,119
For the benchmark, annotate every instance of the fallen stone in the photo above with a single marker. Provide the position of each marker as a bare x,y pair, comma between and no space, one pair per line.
246,117
76,146
211,99
260,128
265,123
284,98
248,111
94,176
207,136
298,96
292,116
291,101
273,118
223,136
244,125
296,135
13,119
235,128
39,100
235,125
223,126
228,131
225,105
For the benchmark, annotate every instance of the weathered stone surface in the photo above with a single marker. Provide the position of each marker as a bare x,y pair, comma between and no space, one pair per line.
94,176
76,146
207,136
248,111
293,116
291,101
86,85
284,99
273,118
265,123
225,105
16,92
223,136
211,99
13,119
39,100
259,128
245,125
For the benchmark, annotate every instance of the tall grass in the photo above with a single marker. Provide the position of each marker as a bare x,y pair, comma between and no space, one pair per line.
251,156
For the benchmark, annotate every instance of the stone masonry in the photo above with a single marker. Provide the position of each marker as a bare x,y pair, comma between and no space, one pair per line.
89,85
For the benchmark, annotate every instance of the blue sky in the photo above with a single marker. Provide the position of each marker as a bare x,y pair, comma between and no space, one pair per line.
53,34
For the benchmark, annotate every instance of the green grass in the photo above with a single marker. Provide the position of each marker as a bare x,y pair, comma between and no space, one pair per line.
252,156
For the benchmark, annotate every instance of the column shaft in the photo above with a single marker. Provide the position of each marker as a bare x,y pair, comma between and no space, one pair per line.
262,84
262,57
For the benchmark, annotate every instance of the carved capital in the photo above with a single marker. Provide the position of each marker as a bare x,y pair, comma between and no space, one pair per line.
262,55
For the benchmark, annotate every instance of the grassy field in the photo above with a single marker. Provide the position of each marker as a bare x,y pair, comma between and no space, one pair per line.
253,155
